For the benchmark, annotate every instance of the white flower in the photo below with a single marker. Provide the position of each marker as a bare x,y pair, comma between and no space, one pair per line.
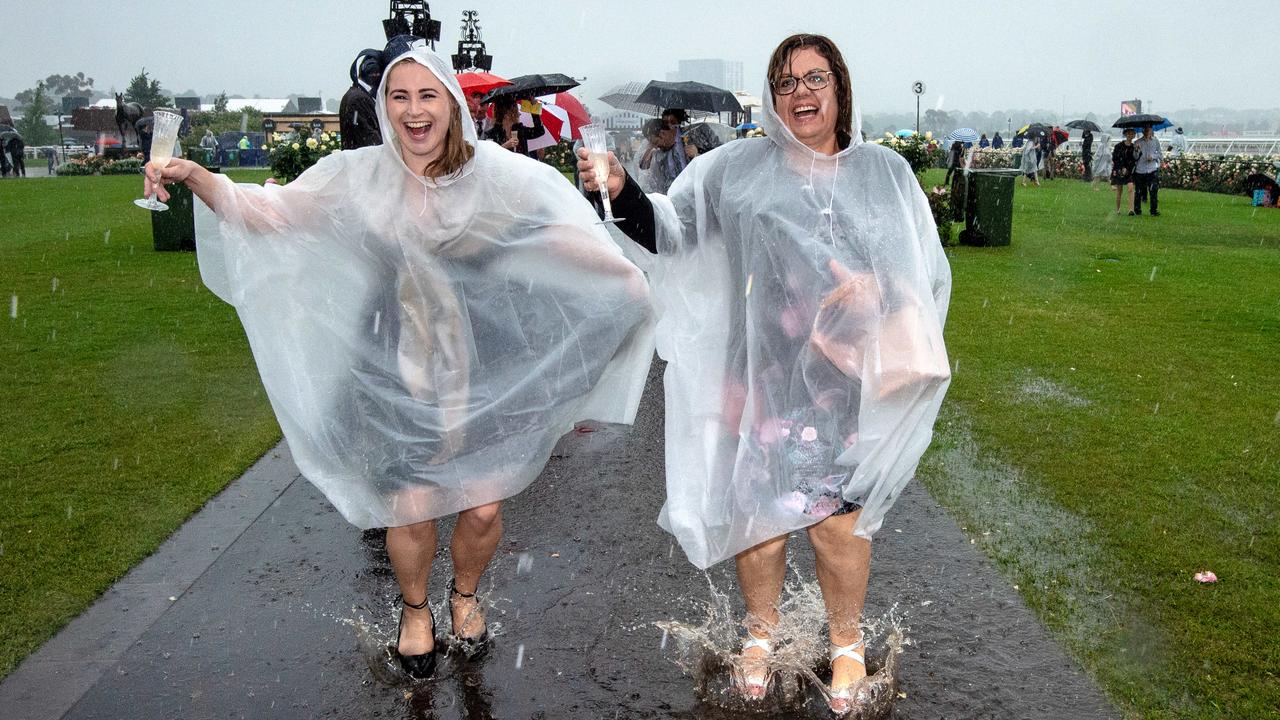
324,137
295,146
312,143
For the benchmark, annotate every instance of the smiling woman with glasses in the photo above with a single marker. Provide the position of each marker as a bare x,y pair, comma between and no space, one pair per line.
802,291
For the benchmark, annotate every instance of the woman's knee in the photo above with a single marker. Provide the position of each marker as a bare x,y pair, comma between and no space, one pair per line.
483,518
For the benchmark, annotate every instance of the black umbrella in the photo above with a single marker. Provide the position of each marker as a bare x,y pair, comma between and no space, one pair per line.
526,86
7,135
1034,130
1265,182
688,96
1137,121
1089,125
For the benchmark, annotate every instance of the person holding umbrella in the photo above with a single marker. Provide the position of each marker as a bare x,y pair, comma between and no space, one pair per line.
1146,173
1086,154
429,316
955,156
803,291
507,129
1123,160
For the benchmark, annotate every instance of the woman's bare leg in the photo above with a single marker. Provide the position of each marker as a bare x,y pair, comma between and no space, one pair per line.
761,572
411,549
843,564
475,539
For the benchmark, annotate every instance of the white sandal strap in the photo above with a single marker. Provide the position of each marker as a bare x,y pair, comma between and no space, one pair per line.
838,652
752,641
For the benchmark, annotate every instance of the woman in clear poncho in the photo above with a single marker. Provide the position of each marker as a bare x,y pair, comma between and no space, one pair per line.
801,291
428,316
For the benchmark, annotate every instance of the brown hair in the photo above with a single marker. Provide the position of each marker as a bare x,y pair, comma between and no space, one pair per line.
457,151
844,93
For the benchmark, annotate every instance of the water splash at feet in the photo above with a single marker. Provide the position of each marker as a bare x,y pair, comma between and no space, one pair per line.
797,670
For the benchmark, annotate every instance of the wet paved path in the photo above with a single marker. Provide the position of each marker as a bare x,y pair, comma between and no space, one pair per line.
269,578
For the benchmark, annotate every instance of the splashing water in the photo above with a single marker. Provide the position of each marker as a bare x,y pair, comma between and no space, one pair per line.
710,653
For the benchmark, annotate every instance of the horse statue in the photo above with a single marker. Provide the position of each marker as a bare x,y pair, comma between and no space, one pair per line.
127,116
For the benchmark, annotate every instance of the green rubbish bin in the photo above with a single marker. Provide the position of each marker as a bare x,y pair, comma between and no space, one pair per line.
174,229
988,207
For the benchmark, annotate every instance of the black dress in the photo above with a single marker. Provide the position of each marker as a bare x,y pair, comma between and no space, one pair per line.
1124,158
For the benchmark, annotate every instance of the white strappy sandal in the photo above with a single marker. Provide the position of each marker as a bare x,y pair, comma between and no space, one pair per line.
755,683
841,701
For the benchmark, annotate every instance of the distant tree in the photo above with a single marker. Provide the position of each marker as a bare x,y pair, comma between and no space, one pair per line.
936,120
74,85
32,127
146,92
220,103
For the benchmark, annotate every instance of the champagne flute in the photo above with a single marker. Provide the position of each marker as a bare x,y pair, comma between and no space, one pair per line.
595,138
164,136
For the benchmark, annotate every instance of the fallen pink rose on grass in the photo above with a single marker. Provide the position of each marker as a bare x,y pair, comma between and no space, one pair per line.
1206,576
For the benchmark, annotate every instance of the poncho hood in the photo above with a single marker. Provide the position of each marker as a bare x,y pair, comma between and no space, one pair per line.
781,135
427,58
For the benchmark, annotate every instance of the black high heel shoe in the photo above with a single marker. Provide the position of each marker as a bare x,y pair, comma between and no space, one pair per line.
472,648
418,667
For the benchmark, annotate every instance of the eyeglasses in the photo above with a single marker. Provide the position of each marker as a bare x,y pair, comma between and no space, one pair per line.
816,80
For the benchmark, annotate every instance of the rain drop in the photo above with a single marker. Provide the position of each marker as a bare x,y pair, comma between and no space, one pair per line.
520,656
985,302
956,371
524,563
1278,418
377,321
115,464
1157,411
1152,278
13,306
106,237
68,512
53,286
662,645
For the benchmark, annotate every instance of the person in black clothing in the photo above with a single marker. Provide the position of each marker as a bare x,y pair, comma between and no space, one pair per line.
4,160
1124,158
997,142
15,147
1086,152
954,158
507,129
357,112
1047,146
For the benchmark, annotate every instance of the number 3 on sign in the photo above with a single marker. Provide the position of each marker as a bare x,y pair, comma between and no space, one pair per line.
917,87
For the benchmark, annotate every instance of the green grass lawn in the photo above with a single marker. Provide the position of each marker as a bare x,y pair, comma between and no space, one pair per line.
1113,427
128,397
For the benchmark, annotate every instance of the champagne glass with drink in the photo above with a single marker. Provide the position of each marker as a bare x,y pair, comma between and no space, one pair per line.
595,138
164,136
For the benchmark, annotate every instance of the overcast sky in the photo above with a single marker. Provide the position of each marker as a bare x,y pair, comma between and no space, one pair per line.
1175,54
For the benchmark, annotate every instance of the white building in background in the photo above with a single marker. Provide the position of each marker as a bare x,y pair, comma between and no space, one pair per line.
724,74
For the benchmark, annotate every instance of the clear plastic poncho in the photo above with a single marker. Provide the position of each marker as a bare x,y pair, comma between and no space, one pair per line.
424,343
801,301
1102,158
